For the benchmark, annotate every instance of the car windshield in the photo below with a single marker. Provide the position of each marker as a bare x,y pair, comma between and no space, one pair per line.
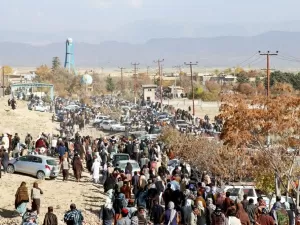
51,162
121,157
135,165
233,191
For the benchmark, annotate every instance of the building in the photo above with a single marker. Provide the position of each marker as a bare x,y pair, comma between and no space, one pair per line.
149,92
175,91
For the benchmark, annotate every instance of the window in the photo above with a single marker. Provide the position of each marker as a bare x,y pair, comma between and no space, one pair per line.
51,162
249,192
149,89
24,159
37,160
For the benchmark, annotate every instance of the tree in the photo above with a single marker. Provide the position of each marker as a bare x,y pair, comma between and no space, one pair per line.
246,88
228,71
7,70
110,86
55,63
238,70
267,127
242,78
42,71
216,72
228,163
213,86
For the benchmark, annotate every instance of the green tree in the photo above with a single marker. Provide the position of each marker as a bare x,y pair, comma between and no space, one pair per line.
110,85
55,63
242,78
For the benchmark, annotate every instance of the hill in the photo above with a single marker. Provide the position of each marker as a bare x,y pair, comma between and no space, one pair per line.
225,51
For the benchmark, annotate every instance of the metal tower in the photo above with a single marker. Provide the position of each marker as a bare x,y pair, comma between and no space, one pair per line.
69,60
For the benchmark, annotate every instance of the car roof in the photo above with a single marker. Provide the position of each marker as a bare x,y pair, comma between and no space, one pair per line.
43,157
121,154
126,161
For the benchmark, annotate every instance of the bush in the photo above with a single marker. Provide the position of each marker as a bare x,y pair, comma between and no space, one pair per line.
213,86
209,96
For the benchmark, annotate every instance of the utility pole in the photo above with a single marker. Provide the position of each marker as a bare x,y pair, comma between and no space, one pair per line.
3,86
268,54
122,83
135,78
179,69
192,85
148,70
160,83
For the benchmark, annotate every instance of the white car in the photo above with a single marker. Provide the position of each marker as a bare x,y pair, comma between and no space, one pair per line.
118,127
41,108
239,190
71,107
100,118
181,124
107,124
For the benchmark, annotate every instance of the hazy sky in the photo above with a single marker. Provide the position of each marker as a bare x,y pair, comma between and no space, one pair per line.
50,15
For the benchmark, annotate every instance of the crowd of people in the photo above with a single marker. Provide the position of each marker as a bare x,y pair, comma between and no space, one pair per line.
155,193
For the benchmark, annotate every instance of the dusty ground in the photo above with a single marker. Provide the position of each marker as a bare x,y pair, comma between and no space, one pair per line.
201,108
57,193
87,196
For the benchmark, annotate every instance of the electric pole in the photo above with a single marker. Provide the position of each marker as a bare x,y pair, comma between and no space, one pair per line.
160,82
135,78
122,83
148,67
179,69
3,86
268,54
192,85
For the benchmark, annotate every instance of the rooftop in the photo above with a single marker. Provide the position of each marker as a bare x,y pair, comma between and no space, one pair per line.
149,86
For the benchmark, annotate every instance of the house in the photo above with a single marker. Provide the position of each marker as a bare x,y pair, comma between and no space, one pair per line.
149,92
175,91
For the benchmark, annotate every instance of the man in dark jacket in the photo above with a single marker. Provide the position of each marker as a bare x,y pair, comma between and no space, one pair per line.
251,210
109,185
50,217
156,213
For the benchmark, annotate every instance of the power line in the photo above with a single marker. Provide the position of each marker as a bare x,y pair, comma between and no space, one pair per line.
259,61
135,79
191,69
241,63
287,59
268,54
160,75
122,83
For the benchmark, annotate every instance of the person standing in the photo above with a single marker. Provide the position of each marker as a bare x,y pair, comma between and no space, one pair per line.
73,216
4,160
61,151
21,199
77,167
50,217
157,213
107,213
170,215
36,193
65,168
96,171
124,220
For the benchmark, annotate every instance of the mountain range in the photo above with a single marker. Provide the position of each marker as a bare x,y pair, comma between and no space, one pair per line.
221,51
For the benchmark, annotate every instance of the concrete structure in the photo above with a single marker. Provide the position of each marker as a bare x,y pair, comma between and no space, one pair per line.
69,59
24,87
176,91
149,92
